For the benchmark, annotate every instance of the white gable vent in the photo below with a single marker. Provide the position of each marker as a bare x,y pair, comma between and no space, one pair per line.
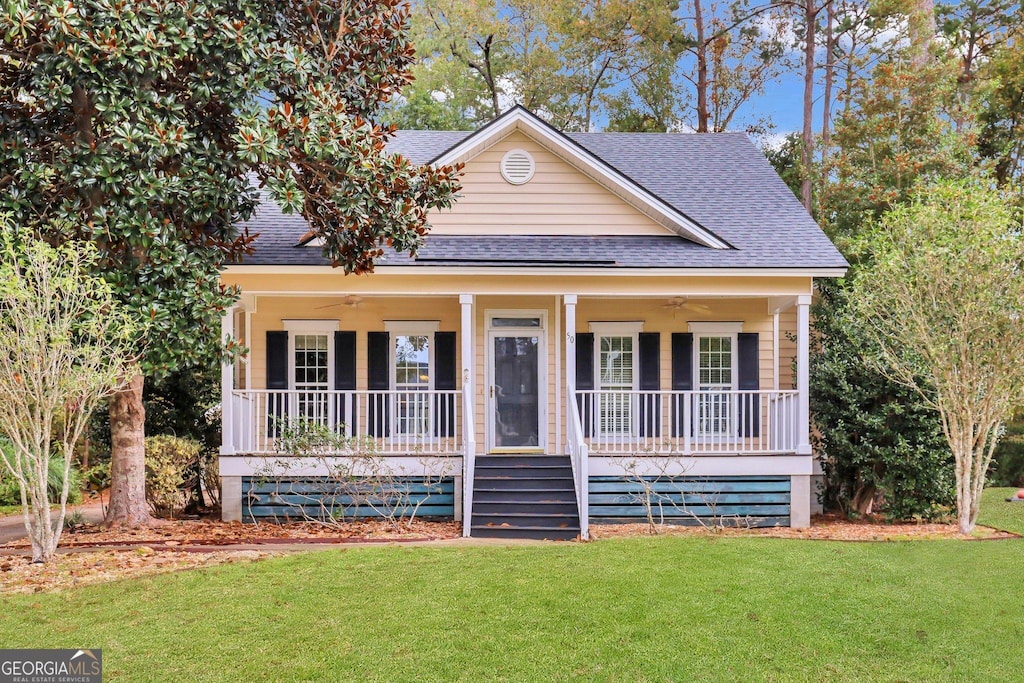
517,166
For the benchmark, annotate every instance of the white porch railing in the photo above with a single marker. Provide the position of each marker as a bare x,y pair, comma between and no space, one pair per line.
468,460
689,422
579,457
392,422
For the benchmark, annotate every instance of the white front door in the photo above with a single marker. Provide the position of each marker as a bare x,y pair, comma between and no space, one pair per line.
516,382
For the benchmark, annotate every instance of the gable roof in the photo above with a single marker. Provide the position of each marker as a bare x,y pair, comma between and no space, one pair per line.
720,182
612,178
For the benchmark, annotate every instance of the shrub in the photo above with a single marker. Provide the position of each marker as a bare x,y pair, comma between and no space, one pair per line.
882,448
1008,463
10,492
168,458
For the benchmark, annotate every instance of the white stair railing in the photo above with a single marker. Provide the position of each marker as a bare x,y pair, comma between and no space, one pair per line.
578,456
468,459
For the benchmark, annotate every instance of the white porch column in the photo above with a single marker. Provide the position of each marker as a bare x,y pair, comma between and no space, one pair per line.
570,340
227,384
803,345
464,484
468,354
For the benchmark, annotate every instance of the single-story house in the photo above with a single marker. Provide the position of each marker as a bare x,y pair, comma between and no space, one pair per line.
605,327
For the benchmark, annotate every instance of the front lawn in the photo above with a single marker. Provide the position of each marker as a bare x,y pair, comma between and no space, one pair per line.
635,609
998,513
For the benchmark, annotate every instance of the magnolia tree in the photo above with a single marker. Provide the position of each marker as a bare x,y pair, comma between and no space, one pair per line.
944,302
65,345
145,128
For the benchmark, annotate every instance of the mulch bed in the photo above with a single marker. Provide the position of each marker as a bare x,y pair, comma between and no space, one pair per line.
183,534
110,554
73,570
823,528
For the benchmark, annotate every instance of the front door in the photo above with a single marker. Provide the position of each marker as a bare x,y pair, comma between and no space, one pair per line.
516,394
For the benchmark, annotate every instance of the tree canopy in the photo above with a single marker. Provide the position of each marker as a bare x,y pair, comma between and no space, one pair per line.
145,128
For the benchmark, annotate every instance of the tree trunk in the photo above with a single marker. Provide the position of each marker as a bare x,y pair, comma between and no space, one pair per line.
807,158
127,505
702,68
921,31
830,75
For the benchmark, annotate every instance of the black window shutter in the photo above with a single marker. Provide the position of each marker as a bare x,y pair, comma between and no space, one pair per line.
445,379
277,378
682,375
378,378
650,380
748,379
585,379
344,374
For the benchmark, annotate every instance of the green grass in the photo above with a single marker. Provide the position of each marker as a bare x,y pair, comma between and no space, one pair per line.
998,513
641,609
10,510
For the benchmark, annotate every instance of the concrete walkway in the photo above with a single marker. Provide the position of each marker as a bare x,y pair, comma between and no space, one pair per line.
12,527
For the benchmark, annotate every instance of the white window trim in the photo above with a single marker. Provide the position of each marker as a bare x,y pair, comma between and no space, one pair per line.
492,313
410,328
617,329
715,329
310,327
542,371
631,328
718,329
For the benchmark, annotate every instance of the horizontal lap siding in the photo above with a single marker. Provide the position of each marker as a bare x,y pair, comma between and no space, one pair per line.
291,499
559,200
754,500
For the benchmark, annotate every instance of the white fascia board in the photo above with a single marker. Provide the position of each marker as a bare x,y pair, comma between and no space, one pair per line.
600,171
540,272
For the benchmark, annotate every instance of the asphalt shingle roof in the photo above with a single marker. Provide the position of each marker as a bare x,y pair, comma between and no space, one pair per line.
720,180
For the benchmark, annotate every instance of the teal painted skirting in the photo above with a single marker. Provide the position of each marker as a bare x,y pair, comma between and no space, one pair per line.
292,499
747,501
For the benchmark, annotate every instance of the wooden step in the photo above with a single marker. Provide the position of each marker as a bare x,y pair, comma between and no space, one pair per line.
539,533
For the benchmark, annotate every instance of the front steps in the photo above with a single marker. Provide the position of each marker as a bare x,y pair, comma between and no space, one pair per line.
524,496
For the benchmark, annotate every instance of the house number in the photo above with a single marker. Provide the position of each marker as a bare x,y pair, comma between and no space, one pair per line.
571,338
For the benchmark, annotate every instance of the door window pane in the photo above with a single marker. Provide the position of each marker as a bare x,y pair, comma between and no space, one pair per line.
516,392
515,322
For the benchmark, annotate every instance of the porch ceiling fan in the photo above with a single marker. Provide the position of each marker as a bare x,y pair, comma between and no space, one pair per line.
352,301
682,303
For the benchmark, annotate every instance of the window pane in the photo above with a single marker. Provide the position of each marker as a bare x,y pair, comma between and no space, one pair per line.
412,374
515,322
615,373
714,414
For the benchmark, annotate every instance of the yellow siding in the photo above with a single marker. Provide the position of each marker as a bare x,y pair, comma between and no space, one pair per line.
372,312
559,200
753,313
368,316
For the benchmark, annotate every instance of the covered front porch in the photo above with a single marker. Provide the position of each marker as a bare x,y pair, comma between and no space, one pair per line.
680,383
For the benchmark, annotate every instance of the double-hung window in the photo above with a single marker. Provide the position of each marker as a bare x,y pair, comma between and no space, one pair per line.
715,371
310,360
412,362
616,346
